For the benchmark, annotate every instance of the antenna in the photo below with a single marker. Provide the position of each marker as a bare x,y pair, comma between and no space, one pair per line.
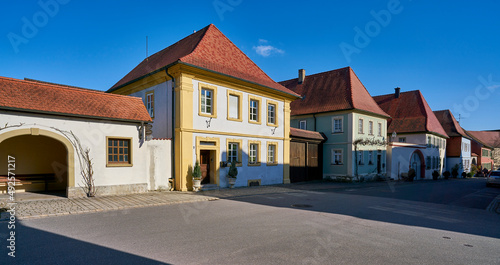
147,55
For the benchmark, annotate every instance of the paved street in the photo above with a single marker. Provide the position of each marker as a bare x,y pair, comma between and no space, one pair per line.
442,222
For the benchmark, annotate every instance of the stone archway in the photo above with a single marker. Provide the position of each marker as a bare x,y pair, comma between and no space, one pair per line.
417,162
47,137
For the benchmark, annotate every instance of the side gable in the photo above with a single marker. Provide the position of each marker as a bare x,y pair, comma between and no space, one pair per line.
450,124
208,49
40,97
409,113
335,90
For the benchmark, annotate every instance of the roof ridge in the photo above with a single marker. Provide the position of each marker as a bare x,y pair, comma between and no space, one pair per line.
351,98
213,27
204,30
316,74
48,84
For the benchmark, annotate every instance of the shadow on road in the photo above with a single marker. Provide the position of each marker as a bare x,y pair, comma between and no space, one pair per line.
422,204
62,250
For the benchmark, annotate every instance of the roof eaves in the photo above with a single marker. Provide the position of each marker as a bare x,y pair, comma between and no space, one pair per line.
72,115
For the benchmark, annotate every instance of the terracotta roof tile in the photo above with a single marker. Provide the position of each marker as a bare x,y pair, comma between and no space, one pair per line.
450,124
489,138
335,90
208,49
43,97
409,113
294,132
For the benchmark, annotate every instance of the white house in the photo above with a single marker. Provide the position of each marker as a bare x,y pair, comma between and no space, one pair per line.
47,127
417,139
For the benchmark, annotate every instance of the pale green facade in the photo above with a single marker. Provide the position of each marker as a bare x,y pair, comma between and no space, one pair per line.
340,141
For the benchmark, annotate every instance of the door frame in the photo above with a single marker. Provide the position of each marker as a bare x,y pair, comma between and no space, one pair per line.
211,144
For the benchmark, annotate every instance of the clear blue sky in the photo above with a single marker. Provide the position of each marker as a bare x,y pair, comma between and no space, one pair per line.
447,49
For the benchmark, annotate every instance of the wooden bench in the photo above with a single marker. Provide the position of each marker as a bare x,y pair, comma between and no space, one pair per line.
30,179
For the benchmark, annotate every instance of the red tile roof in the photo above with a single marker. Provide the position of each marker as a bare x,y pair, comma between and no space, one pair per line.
409,113
208,49
450,124
49,98
294,132
335,90
489,138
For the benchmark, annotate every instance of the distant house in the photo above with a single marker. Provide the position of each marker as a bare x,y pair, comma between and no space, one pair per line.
46,128
338,105
417,139
487,146
458,146
218,107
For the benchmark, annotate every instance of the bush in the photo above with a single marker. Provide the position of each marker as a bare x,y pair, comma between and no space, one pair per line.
469,175
435,175
446,174
464,175
233,171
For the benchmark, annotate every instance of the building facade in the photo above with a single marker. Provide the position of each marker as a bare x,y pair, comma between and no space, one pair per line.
338,105
218,107
458,146
417,139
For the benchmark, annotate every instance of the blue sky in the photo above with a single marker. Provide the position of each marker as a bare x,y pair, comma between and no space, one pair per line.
447,49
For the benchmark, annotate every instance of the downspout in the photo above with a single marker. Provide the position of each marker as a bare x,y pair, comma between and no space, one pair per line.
172,148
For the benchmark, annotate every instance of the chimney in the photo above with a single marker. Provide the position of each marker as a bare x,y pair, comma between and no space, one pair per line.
397,92
302,76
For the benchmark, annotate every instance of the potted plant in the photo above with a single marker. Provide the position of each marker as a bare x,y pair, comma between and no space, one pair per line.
411,174
196,177
231,175
435,175
464,175
446,174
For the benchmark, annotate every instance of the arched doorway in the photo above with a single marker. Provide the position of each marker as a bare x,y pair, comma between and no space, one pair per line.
43,158
417,163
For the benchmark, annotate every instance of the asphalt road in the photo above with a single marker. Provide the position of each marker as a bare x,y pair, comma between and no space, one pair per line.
315,224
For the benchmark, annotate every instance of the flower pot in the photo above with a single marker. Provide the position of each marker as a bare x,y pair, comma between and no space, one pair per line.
231,182
196,185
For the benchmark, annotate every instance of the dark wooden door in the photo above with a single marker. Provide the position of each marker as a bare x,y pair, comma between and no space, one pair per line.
205,166
379,162
297,162
313,166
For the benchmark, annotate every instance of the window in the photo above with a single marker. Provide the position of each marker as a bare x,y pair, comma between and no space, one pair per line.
360,158
254,110
428,163
207,101
379,129
370,127
253,153
429,141
370,158
402,139
150,103
272,157
303,125
337,157
439,162
337,124
486,153
272,117
119,152
234,100
360,126
234,151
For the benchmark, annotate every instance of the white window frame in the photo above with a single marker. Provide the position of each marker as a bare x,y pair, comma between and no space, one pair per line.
274,117
305,124
379,129
370,127
150,103
370,157
360,126
254,112
230,94
336,152
202,109
361,157
338,118
272,159
253,153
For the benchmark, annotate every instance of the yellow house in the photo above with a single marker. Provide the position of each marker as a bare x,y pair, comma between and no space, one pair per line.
218,107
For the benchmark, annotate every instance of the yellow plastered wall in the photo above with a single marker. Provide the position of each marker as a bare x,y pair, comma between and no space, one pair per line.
286,144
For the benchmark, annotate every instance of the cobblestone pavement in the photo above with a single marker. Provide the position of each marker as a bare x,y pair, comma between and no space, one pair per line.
65,206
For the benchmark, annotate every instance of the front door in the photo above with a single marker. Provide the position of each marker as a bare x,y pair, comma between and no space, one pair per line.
205,166
415,164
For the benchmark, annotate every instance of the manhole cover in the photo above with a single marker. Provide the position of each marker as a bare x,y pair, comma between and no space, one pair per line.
302,205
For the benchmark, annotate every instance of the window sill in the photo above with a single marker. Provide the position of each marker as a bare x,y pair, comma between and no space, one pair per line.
341,164
272,125
207,115
254,165
233,119
254,122
337,132
118,165
272,164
